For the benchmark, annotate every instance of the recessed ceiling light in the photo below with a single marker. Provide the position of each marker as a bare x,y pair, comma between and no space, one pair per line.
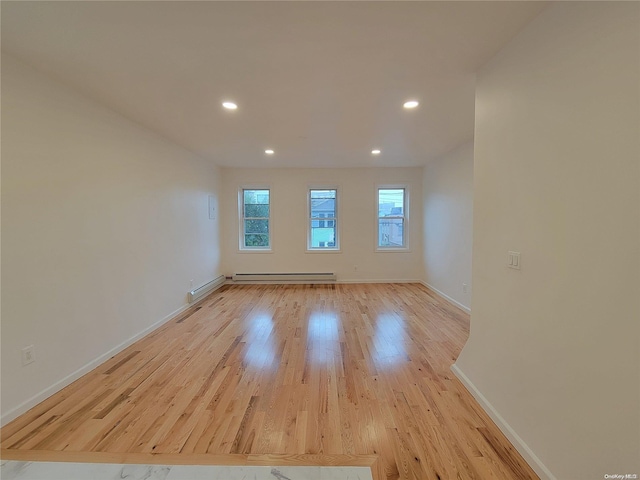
269,151
411,104
375,151
229,105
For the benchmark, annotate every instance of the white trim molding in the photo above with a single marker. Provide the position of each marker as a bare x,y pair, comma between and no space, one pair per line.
381,280
446,297
336,219
320,282
405,217
241,233
72,377
543,472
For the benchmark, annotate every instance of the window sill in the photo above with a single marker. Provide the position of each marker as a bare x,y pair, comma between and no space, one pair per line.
323,250
255,250
392,250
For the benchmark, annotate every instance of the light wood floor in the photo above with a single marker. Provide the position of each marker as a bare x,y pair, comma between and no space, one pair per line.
274,374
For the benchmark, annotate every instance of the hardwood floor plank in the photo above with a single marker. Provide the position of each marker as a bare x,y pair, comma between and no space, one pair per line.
296,374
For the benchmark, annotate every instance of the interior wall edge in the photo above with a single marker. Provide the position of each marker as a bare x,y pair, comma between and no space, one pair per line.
532,459
446,297
39,397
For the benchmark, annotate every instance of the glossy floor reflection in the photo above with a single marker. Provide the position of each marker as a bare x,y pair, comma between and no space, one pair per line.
12,470
302,371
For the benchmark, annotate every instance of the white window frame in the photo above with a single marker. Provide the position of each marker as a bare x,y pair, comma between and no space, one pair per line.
405,217
241,246
335,219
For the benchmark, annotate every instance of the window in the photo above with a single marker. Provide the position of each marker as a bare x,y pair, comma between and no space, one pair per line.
323,234
255,212
392,218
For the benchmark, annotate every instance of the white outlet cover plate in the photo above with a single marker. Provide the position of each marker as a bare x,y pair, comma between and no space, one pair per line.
28,355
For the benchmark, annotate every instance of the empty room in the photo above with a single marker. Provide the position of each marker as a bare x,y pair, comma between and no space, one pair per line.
320,240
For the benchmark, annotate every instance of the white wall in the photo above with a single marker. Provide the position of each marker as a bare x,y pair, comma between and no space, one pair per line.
357,210
448,224
554,347
104,224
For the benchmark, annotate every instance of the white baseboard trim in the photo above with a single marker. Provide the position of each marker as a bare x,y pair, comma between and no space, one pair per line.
447,297
319,282
543,472
394,280
59,385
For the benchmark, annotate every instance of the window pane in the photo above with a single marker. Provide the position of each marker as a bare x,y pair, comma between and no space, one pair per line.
323,203
256,240
391,232
391,202
255,218
322,207
256,210
323,237
256,197
256,226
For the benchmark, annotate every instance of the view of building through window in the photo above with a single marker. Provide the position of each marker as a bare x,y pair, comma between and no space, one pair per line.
255,219
391,217
323,220
323,233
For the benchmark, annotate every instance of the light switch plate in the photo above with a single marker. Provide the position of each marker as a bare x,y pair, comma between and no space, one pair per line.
212,207
514,260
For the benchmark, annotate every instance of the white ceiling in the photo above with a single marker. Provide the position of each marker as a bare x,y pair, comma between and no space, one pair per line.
322,83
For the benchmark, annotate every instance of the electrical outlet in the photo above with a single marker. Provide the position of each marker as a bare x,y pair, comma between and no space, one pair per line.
355,268
465,288
28,355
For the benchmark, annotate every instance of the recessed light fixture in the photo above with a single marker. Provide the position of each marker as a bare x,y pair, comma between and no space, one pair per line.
229,105
411,104
268,151
375,151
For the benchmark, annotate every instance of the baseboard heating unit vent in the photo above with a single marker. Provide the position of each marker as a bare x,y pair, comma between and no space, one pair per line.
284,277
206,288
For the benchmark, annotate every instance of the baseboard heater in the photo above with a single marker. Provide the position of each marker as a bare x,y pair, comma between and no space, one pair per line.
284,277
206,288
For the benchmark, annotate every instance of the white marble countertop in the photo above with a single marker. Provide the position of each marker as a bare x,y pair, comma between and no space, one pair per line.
13,470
